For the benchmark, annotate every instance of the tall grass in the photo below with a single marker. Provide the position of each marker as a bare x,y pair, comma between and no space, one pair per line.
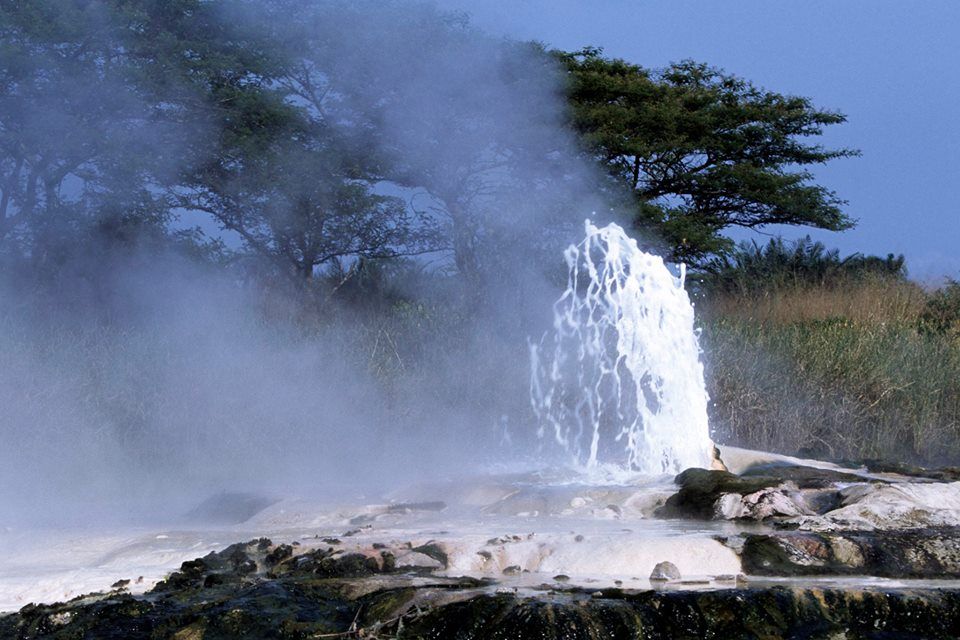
840,371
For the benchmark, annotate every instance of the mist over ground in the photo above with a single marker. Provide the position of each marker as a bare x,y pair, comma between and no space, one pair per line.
156,348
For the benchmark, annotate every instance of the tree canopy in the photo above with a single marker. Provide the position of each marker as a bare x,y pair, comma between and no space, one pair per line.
120,117
701,150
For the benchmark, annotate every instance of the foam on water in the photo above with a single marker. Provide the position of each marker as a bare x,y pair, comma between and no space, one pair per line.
619,382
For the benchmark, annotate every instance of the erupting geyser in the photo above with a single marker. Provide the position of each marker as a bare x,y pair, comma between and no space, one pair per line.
620,381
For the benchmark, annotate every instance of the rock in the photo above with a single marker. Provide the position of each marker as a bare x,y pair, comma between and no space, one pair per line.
770,503
232,565
700,490
920,553
716,463
729,506
417,560
877,505
665,571
819,501
802,477
408,507
942,474
278,555
352,598
388,561
774,614
359,530
435,551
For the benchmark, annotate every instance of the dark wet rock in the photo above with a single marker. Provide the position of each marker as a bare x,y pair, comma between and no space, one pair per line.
665,571
802,477
278,555
921,553
512,570
938,474
731,614
701,489
388,561
358,530
230,565
120,584
435,551
561,577
408,507
820,501
323,593
324,564
229,508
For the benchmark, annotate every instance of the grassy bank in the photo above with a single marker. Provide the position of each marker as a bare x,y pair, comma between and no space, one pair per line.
843,372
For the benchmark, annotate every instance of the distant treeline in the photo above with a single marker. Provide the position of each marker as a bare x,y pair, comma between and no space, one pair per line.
753,267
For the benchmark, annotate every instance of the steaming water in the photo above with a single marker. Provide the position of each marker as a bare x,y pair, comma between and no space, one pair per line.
620,382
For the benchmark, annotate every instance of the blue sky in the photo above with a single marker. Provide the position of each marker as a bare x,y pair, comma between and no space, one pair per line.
892,67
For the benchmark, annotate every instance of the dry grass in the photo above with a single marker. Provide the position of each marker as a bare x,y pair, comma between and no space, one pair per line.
870,302
840,372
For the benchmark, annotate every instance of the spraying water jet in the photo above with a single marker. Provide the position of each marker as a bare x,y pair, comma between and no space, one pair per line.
619,381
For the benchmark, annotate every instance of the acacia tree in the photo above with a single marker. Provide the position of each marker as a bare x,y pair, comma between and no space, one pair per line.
67,115
701,150
118,115
104,105
297,204
465,124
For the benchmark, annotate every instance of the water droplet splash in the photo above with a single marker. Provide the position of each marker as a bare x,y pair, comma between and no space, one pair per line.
619,381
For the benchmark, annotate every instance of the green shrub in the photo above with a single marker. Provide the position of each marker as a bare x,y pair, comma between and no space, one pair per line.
941,313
